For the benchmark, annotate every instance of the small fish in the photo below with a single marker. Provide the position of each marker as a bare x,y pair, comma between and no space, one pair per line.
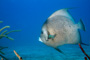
60,28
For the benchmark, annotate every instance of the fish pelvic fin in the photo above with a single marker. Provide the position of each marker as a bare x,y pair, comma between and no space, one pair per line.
59,50
81,25
85,44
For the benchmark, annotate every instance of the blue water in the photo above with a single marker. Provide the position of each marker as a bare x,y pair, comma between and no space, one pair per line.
29,16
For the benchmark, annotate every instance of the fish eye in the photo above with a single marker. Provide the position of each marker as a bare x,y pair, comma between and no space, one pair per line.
41,32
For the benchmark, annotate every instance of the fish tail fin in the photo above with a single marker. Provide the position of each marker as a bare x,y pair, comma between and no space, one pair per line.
85,44
81,25
59,50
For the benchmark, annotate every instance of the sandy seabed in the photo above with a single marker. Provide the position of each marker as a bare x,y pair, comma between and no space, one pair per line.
72,52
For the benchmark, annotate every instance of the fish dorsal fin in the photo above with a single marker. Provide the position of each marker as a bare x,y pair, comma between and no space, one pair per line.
62,12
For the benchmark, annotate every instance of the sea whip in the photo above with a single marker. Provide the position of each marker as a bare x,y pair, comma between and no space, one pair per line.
84,52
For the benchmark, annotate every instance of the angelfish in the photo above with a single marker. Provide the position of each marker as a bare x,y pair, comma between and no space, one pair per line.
60,28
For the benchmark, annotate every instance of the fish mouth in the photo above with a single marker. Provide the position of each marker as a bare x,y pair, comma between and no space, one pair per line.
40,39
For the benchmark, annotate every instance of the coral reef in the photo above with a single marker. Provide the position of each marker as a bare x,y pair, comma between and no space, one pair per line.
1,21
4,28
1,48
20,58
1,58
4,34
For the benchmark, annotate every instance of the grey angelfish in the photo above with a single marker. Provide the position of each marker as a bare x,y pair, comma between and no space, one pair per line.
60,28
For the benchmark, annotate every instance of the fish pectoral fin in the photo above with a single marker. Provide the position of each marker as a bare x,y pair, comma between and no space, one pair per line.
59,50
51,36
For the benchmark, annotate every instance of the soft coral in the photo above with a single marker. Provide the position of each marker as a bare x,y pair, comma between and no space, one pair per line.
84,52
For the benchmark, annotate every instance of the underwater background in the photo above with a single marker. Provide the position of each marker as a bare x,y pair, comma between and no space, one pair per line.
29,16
